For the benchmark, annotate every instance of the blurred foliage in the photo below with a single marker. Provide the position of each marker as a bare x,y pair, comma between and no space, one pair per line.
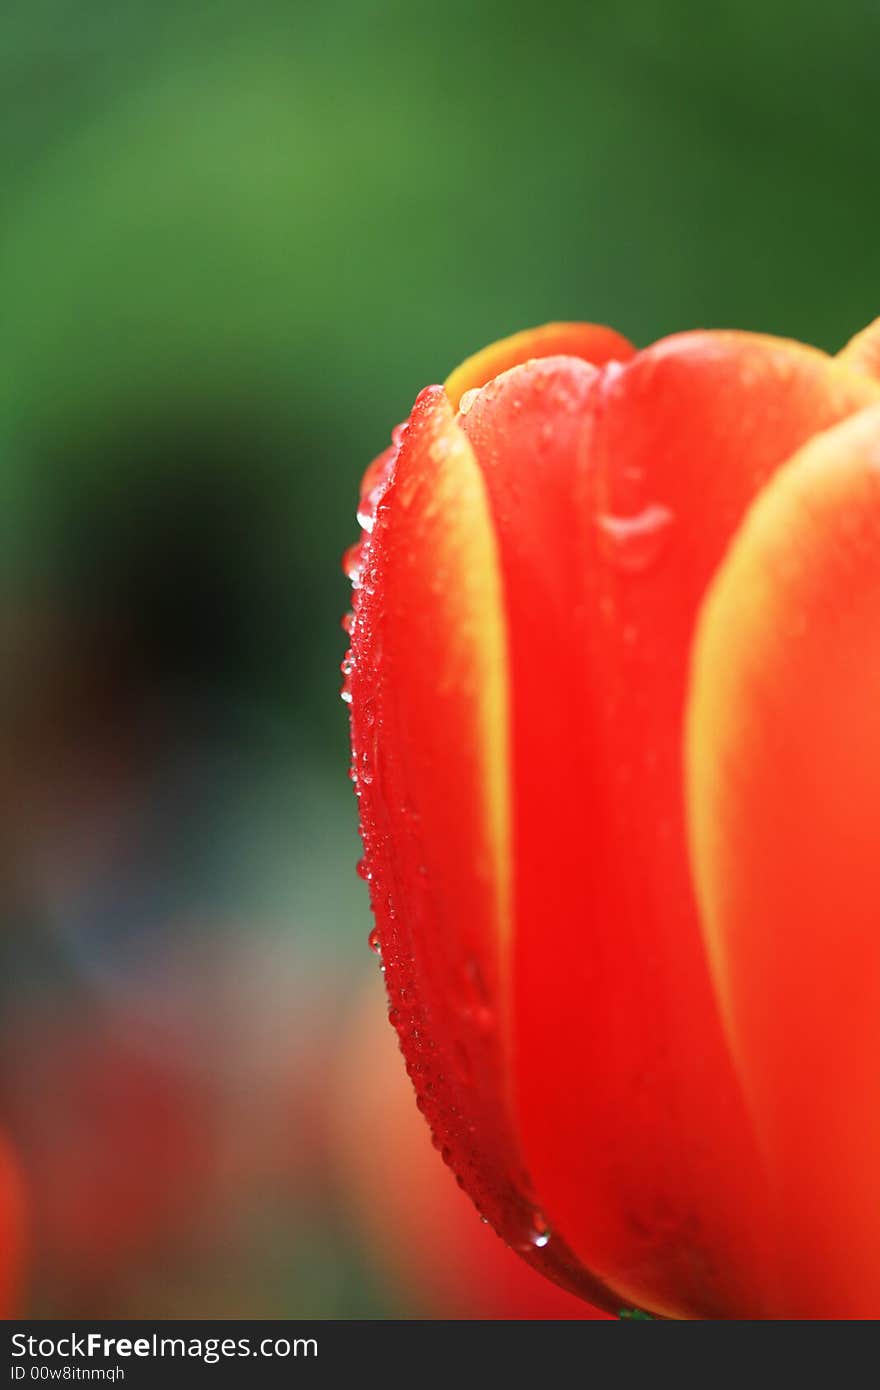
283,220
236,239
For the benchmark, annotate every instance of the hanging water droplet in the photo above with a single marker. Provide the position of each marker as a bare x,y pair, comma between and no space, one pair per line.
537,1234
368,506
362,869
346,668
634,543
374,943
351,564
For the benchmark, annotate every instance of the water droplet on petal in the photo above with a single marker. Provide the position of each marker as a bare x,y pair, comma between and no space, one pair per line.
634,543
351,564
537,1234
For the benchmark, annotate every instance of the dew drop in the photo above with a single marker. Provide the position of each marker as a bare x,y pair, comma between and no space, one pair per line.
634,543
467,400
374,942
537,1236
368,506
362,869
351,564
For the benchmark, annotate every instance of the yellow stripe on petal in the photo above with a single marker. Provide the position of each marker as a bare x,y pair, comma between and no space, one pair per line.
862,353
589,341
783,780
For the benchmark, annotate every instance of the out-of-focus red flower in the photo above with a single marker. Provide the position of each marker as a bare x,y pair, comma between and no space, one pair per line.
116,1151
614,674
415,1222
161,1125
12,1232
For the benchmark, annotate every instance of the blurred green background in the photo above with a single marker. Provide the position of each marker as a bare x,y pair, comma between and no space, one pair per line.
235,240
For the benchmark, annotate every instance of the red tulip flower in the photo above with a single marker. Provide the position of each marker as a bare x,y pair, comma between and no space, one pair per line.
615,705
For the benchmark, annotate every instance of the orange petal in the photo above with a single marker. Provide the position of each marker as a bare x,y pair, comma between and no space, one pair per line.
589,341
784,781
862,353
429,701
614,494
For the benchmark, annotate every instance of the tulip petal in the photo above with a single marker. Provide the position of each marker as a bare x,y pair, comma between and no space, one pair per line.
862,353
614,495
429,702
589,341
784,782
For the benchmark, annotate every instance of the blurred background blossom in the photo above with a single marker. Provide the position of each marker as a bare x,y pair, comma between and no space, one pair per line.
236,239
